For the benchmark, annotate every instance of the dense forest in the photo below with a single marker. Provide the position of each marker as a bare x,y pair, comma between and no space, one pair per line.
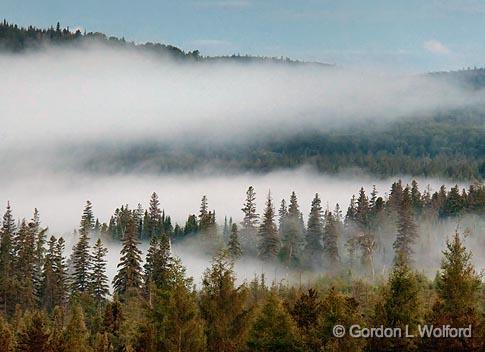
448,145
56,299
16,39
445,143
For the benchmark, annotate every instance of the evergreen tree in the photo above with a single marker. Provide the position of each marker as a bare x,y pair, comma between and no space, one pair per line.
407,231
40,241
129,274
330,240
98,278
81,264
49,279
7,340
269,245
233,246
282,216
292,236
314,234
154,217
274,329
34,333
223,306
458,289
61,273
76,335
7,234
400,310
158,262
362,211
24,265
251,218
204,210
87,220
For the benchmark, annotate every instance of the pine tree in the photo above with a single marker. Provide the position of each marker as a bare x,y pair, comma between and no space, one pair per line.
330,240
49,279
314,234
158,262
7,234
87,220
400,309
81,264
251,218
61,273
407,231
362,211
223,306
129,274
282,216
203,209
7,340
101,343
98,278
24,265
154,217
274,329
458,289
40,241
34,333
233,246
292,236
175,315
76,335
269,245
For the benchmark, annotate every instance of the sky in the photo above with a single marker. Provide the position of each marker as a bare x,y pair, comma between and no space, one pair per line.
411,35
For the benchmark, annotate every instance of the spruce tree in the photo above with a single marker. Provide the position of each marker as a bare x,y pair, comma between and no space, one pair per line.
330,241
233,246
269,244
76,334
204,209
250,219
282,217
400,309
129,276
274,329
87,220
458,288
81,265
24,264
61,272
40,241
7,234
154,217
223,306
49,279
7,339
98,278
292,236
34,333
158,262
314,233
407,230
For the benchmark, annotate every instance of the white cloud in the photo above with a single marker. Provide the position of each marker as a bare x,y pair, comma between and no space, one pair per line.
436,47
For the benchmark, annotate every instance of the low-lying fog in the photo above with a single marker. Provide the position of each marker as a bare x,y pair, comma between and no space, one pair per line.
60,199
61,97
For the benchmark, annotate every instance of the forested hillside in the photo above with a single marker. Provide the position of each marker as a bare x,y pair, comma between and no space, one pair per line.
53,298
447,142
14,38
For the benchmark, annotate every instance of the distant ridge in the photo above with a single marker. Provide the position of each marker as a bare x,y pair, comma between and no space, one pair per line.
16,39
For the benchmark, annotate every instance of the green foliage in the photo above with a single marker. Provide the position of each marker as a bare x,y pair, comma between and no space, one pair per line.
274,329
